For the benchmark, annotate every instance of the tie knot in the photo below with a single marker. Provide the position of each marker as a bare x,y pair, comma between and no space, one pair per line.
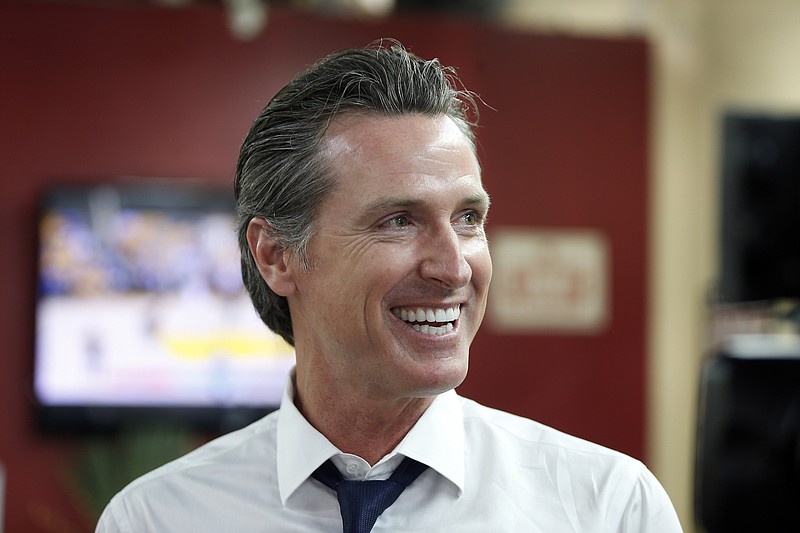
362,502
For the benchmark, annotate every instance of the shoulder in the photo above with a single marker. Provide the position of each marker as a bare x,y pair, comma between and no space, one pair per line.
586,478
253,443
524,445
495,425
196,481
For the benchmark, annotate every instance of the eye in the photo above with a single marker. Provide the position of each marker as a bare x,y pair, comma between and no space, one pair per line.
471,218
397,221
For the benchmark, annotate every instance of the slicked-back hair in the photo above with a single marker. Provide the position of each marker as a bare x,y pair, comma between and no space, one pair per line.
281,175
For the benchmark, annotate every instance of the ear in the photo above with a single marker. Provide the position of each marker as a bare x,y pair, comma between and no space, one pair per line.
273,261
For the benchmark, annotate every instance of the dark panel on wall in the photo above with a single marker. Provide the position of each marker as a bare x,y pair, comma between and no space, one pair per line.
760,256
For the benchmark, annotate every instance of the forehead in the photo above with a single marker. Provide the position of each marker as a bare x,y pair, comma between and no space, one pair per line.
367,152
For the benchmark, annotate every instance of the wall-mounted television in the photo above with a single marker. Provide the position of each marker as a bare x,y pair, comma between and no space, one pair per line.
141,315
760,208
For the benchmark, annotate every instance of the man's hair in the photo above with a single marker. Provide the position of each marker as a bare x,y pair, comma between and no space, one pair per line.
281,175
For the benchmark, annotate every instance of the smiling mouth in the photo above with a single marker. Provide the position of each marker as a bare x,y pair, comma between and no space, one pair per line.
429,321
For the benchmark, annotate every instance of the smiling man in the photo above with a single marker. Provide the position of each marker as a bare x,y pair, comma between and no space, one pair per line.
361,222
399,234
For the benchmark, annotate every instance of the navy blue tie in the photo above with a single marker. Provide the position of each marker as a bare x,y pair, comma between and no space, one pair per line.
362,502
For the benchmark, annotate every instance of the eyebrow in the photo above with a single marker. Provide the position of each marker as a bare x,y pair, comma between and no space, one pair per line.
390,204
482,199
383,205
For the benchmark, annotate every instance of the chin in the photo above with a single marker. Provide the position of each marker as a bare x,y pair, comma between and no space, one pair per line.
442,378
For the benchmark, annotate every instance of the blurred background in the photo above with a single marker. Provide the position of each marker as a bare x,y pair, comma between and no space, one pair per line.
602,147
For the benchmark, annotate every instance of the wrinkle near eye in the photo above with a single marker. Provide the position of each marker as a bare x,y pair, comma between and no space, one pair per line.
355,244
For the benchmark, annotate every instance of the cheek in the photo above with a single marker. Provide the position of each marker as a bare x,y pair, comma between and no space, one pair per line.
480,262
390,264
488,267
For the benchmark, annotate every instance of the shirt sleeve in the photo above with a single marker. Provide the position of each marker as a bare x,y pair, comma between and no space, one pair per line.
108,522
649,509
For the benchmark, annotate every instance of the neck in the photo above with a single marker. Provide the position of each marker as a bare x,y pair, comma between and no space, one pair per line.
355,422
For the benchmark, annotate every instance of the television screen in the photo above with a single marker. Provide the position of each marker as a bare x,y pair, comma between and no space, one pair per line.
141,313
760,209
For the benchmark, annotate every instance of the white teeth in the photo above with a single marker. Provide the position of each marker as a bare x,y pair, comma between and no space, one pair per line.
432,330
421,319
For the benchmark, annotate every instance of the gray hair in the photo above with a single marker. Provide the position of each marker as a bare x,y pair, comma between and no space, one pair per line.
281,175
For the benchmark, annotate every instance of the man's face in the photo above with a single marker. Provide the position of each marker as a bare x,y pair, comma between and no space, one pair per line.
400,266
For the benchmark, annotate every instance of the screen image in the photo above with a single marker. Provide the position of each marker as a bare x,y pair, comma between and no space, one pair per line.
141,305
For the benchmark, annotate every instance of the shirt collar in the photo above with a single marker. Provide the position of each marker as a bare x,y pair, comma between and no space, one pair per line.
437,440
300,447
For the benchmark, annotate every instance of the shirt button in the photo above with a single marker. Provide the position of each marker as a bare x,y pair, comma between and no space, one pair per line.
352,468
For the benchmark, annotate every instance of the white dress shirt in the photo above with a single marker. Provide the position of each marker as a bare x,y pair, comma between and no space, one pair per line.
488,471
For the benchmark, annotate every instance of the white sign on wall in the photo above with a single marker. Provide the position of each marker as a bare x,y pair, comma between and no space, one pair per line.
549,280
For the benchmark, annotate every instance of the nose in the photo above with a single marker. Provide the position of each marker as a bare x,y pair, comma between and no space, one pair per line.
444,261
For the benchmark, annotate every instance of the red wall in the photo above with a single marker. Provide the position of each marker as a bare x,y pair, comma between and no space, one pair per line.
568,149
88,93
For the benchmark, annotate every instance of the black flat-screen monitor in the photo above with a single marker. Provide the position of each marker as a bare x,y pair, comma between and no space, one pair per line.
748,438
760,186
141,315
